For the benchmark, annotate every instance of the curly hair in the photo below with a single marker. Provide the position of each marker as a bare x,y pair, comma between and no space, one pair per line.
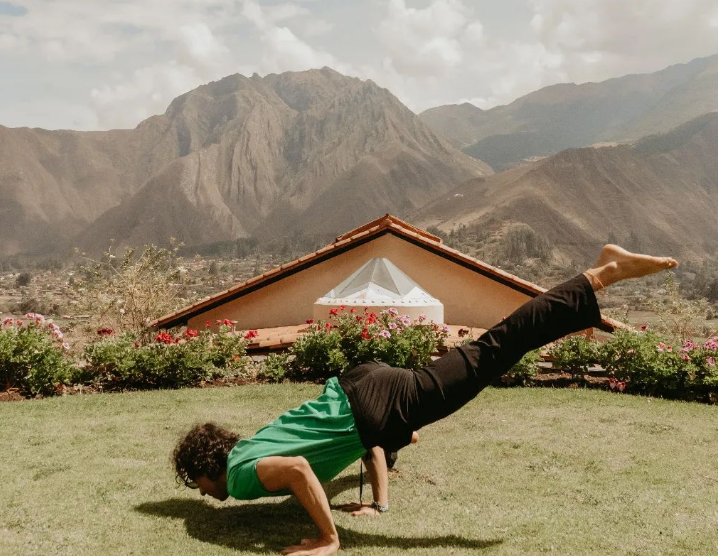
203,453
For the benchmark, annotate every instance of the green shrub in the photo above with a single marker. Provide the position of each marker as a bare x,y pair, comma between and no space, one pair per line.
523,372
275,367
319,353
574,354
33,356
170,361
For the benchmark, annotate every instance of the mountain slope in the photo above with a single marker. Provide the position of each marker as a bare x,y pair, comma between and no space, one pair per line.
240,156
567,115
661,192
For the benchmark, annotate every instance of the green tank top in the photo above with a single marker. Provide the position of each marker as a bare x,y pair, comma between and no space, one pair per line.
322,431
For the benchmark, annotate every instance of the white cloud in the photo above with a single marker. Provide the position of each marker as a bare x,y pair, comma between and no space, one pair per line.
605,38
423,41
127,103
282,49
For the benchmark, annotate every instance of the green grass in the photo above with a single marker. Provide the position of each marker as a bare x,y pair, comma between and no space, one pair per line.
516,472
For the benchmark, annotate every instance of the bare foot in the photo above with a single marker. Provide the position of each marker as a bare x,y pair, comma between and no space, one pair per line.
615,264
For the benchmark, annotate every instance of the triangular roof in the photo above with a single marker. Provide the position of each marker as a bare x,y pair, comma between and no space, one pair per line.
386,224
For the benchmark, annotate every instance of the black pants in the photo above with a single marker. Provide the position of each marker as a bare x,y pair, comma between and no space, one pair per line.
389,403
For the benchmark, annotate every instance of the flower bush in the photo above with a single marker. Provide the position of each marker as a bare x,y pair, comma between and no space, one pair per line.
354,336
574,354
523,372
33,356
647,363
119,362
275,367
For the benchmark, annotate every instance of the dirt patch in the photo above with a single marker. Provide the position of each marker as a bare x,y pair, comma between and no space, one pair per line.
10,396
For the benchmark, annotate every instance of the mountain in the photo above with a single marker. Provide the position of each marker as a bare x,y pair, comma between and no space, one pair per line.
660,194
567,115
264,156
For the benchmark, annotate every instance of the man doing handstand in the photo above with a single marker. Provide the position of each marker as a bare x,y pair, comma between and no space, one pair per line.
375,407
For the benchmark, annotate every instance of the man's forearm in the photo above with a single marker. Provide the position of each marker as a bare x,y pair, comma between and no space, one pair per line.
379,476
308,490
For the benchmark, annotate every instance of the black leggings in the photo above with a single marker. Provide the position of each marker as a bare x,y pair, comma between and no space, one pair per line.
389,403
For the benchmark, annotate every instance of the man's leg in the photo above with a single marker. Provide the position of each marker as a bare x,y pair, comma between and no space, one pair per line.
451,381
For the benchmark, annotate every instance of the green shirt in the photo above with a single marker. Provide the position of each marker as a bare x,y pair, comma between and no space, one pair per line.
322,431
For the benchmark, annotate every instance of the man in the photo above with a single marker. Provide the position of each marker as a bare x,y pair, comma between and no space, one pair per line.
376,407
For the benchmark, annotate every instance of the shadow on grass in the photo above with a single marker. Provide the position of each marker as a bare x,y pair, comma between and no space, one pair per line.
273,525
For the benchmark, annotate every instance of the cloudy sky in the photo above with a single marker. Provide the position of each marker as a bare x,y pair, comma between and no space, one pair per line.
101,64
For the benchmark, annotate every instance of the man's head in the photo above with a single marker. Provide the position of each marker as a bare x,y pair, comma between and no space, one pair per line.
200,459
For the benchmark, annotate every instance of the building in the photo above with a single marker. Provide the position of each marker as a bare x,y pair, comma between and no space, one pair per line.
279,302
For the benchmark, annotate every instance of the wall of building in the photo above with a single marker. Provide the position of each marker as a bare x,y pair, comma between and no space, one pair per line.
469,298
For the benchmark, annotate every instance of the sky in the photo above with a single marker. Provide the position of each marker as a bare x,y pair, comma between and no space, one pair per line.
100,64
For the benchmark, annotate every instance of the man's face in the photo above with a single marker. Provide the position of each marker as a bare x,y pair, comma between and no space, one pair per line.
215,488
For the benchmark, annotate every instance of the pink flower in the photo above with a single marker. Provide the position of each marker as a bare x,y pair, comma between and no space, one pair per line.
66,346
405,320
711,362
685,356
661,347
445,329
392,325
393,312
385,334
422,318
8,320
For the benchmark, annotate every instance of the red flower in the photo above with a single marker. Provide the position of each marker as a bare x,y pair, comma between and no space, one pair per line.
463,332
310,321
327,325
227,322
189,333
644,327
105,332
365,334
207,324
352,310
342,307
164,338
333,312
371,319
250,334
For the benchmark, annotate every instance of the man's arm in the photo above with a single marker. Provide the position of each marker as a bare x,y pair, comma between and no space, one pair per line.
295,474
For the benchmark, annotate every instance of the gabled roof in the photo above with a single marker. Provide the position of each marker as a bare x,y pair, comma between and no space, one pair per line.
386,224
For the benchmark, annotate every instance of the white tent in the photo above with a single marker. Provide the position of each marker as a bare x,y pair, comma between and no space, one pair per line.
380,285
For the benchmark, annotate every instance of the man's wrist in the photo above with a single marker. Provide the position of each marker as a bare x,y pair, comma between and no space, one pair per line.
379,508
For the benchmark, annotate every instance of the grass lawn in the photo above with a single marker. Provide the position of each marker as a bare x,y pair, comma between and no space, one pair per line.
516,472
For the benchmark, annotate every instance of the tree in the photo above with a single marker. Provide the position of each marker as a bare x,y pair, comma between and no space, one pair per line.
130,291
23,279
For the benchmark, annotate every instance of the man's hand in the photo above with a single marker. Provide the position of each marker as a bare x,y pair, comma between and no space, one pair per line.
313,547
356,509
